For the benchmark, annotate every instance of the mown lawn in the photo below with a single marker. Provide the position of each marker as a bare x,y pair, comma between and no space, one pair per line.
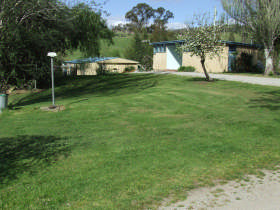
129,141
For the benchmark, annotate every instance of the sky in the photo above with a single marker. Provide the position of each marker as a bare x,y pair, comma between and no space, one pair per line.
183,9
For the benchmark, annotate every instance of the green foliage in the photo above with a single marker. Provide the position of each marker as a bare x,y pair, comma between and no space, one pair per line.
260,18
202,39
129,69
140,51
186,69
30,29
140,15
90,28
159,29
243,63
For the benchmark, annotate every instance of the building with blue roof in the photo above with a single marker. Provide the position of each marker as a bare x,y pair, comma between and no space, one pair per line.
167,57
89,66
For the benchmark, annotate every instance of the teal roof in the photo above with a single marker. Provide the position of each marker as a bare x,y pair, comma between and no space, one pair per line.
89,60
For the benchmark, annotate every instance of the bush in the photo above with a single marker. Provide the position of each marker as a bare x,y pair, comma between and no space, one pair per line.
129,69
101,70
186,69
259,68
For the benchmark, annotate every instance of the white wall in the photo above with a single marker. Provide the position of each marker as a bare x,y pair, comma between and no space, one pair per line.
173,61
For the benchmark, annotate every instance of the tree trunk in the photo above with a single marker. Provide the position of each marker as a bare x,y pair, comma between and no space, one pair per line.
268,61
204,69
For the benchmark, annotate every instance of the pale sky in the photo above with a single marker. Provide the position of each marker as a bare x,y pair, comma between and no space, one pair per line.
183,9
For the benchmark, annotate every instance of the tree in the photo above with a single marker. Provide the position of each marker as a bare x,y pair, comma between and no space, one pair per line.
140,15
161,18
140,51
90,29
262,19
202,39
31,28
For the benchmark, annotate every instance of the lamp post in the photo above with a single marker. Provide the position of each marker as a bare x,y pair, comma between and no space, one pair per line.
52,55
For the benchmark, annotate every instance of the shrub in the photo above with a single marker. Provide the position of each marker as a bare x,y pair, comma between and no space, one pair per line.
259,68
101,70
129,69
186,69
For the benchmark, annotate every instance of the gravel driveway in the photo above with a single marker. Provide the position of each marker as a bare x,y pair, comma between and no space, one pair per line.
245,79
252,193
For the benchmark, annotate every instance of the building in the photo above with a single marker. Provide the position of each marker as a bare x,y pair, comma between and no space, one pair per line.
90,66
167,57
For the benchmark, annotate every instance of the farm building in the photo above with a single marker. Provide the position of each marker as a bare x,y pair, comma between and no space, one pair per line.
89,66
166,56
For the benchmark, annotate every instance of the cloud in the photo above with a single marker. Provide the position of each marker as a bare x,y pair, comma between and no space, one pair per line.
176,25
114,21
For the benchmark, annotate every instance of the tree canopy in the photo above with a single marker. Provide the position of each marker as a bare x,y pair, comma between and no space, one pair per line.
140,15
31,28
144,18
202,39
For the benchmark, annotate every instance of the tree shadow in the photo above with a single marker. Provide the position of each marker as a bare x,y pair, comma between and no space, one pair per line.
98,86
269,100
203,80
25,153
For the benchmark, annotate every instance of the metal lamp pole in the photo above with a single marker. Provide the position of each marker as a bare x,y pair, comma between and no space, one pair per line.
52,55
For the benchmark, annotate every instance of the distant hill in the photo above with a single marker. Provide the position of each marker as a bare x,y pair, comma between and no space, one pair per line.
121,43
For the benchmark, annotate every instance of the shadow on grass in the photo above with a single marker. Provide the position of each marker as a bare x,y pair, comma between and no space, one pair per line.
24,153
203,80
269,100
98,86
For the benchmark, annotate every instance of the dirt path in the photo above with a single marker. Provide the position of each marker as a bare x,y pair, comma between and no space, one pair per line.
252,193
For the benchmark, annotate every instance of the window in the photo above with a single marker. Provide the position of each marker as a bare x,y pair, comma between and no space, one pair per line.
160,48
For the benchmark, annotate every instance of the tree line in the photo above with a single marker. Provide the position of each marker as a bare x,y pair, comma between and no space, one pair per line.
29,29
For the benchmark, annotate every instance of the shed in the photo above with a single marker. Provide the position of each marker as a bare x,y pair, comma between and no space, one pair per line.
166,57
89,66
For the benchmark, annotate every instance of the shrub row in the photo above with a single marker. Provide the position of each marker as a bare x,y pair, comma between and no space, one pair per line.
186,69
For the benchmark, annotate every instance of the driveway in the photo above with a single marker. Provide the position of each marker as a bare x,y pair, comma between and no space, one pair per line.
251,193
245,79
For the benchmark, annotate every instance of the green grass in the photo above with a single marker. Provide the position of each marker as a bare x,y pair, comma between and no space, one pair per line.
118,48
115,50
129,141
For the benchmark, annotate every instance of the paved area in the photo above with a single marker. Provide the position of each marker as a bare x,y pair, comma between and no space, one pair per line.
252,193
245,79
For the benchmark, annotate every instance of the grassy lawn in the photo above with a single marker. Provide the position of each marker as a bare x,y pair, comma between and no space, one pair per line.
129,141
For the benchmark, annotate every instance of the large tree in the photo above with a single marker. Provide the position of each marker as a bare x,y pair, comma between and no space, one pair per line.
202,39
161,18
262,19
31,28
140,16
